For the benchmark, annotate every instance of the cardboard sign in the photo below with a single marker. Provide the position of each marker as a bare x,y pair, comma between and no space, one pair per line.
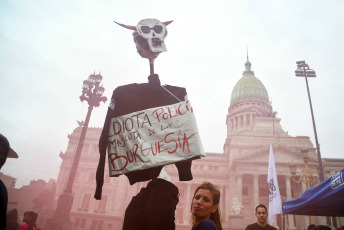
153,137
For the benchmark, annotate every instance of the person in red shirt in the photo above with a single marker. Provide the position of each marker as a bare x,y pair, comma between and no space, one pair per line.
29,219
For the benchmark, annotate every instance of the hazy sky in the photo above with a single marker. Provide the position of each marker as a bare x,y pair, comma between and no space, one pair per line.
47,49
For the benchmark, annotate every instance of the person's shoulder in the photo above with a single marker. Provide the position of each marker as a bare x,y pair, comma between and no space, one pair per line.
206,225
251,226
269,227
23,227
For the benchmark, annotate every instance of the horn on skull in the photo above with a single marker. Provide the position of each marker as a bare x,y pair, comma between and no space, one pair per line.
126,26
167,23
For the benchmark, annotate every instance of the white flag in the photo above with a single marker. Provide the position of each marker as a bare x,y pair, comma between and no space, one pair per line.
275,202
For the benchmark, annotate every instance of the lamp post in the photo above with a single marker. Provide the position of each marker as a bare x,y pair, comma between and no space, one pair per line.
306,177
303,70
92,92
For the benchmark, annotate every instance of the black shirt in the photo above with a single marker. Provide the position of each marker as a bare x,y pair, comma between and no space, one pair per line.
255,226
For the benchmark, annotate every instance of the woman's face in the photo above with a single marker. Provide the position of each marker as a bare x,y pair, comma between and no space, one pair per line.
202,204
27,218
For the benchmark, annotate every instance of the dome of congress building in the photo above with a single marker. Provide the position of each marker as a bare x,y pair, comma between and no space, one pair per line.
249,88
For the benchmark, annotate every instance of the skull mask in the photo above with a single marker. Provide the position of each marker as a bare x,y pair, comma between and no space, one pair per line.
154,32
149,36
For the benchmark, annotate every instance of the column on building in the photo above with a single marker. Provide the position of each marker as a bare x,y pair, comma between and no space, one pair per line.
222,204
189,195
239,186
227,201
231,192
248,119
255,190
291,224
304,188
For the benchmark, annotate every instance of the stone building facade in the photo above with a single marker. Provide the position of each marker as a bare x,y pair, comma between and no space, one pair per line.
37,196
240,171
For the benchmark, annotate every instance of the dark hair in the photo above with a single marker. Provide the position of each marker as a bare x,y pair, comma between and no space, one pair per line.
322,227
215,217
261,206
34,217
311,226
12,214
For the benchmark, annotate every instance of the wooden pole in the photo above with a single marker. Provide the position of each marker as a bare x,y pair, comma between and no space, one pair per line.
151,65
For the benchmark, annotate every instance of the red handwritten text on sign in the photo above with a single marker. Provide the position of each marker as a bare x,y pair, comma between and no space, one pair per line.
153,137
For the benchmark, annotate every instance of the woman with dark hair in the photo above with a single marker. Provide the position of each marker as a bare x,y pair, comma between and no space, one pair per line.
205,213
29,219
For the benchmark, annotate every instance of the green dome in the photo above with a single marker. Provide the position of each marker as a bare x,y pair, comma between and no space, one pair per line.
249,88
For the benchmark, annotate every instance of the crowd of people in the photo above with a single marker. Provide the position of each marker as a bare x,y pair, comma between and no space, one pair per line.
205,212
29,221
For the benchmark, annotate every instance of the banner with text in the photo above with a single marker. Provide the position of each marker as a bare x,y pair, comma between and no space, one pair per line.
153,137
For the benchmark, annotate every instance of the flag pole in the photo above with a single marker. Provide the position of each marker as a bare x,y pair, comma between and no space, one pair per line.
275,202
282,221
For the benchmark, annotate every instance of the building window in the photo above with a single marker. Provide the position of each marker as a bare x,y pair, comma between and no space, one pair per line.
86,202
263,191
97,224
83,223
100,225
248,121
245,191
283,192
241,120
77,222
102,204
94,224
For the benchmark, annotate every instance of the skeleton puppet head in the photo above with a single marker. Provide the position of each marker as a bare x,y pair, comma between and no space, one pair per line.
149,36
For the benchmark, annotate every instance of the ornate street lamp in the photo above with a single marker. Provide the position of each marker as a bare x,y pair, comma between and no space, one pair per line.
307,176
92,92
303,70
